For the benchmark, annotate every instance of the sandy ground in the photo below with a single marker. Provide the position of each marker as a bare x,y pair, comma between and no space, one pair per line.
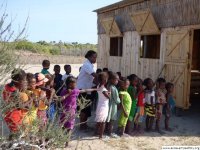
186,132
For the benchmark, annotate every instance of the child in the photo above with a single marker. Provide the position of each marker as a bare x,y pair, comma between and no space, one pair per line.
139,116
68,70
58,83
15,98
69,103
149,103
126,103
132,90
114,101
161,100
45,65
99,70
30,88
40,94
169,105
102,106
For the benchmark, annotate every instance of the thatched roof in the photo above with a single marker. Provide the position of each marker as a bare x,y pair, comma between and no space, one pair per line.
118,5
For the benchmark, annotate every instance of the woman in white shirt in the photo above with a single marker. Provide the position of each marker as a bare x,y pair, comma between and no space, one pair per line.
85,81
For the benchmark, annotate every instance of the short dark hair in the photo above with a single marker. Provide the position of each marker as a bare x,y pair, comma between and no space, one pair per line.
124,79
89,53
132,77
161,80
146,81
69,80
29,77
105,69
56,66
65,66
45,62
99,70
18,74
169,85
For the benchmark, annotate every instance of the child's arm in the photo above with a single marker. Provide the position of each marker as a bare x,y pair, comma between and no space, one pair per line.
106,94
123,109
87,90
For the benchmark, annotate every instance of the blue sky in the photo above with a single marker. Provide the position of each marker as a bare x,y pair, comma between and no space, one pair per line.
54,20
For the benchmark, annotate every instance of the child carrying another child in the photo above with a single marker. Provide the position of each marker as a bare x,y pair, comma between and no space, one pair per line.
150,102
126,103
114,101
103,103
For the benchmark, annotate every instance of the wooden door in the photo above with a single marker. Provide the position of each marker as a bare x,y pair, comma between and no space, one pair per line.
177,64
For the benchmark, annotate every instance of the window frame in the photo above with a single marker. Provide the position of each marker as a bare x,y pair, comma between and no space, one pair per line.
144,53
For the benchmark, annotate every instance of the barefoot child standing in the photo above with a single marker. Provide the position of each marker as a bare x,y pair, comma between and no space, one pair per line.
139,116
150,102
114,101
132,90
103,104
69,97
126,103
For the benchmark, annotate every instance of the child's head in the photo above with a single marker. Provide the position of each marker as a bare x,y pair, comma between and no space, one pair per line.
119,74
31,81
124,83
67,69
56,69
161,83
105,70
98,70
91,56
102,78
169,87
148,82
18,77
45,64
70,82
133,79
41,80
114,78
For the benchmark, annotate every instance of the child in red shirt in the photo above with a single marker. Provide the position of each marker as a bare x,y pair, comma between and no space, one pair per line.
139,116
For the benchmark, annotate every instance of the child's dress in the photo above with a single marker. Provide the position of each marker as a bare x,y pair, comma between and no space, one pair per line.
114,101
102,106
150,108
127,102
139,116
132,91
68,115
161,101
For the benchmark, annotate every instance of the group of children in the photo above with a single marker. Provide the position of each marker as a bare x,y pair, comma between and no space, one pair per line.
136,101
30,98
129,101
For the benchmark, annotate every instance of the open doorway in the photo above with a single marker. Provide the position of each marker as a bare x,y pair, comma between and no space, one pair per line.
195,72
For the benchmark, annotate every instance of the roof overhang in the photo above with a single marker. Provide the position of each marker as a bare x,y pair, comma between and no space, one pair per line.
118,5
